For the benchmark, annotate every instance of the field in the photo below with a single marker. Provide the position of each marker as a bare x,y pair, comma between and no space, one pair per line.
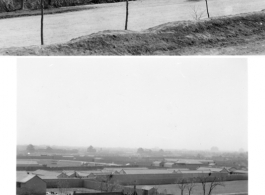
230,187
59,28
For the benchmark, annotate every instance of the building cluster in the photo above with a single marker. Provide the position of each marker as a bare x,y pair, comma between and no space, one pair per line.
183,163
36,182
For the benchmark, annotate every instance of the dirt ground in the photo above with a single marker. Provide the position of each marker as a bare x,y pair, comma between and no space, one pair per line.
60,28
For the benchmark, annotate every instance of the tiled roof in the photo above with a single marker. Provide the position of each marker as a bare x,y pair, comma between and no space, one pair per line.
177,169
147,187
23,177
46,173
169,164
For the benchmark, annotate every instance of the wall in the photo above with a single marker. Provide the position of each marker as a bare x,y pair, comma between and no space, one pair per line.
100,193
160,179
151,179
96,185
237,177
71,183
147,179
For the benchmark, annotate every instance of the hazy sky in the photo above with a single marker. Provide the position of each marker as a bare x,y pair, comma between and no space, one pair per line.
133,102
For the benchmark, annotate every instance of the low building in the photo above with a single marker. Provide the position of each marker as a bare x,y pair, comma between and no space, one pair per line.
30,184
158,164
148,190
89,174
70,174
170,165
43,174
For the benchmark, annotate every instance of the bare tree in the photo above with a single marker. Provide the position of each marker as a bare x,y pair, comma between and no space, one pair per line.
212,181
190,185
106,181
41,22
127,14
207,8
62,186
182,184
203,181
215,182
196,14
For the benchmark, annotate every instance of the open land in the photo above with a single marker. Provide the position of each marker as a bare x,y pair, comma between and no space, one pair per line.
143,14
230,187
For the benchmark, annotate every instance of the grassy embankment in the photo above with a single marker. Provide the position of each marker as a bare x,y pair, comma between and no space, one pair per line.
174,38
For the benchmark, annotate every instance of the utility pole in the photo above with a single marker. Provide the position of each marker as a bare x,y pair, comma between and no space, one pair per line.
41,22
127,14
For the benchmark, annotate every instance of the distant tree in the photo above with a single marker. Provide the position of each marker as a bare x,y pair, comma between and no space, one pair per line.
214,149
140,150
30,148
207,8
161,151
62,186
197,15
182,185
91,149
127,14
49,149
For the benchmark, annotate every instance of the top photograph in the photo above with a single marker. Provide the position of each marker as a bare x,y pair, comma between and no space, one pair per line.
132,27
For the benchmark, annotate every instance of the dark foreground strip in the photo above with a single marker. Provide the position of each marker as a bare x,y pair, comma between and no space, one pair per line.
175,36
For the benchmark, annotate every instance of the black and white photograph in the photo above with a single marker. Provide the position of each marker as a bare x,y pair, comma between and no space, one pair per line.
132,27
132,126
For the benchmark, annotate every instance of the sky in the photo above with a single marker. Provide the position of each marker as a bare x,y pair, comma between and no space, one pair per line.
168,103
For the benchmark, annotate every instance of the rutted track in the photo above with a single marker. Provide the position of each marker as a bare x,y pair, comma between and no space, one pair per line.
174,38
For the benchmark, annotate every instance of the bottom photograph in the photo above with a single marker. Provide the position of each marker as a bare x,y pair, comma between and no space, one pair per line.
132,126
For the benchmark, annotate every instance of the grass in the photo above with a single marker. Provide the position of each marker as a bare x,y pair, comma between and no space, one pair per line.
230,187
23,13
177,37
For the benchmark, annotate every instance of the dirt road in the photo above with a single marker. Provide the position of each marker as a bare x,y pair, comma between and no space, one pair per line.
241,34
58,28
